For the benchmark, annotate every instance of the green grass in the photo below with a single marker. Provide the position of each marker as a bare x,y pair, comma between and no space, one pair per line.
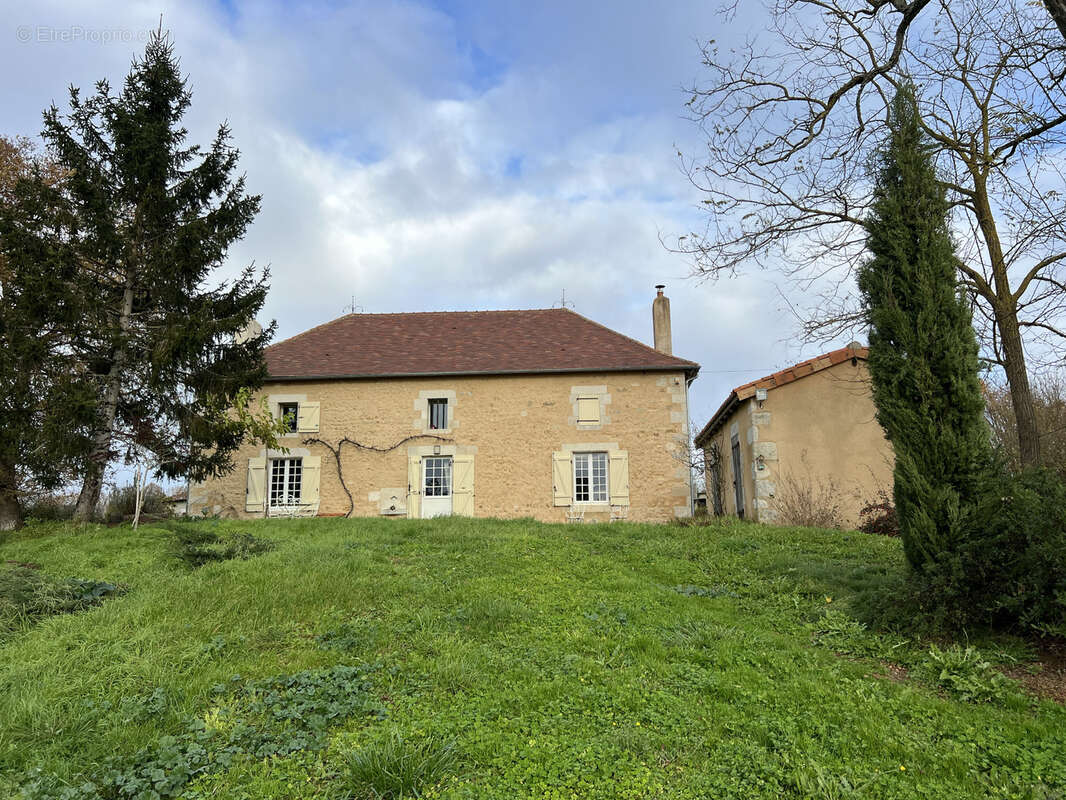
504,660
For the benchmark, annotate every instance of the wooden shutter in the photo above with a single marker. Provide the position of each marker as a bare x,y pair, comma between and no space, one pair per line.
307,415
255,494
562,478
310,481
588,409
463,486
414,487
619,477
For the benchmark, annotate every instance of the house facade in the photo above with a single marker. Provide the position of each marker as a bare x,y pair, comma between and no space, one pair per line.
539,413
806,434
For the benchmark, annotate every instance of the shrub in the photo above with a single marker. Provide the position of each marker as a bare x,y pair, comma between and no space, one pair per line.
27,595
396,768
1010,568
49,508
122,503
879,516
808,503
197,546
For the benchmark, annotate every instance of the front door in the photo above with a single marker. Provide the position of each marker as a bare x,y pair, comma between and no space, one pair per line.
436,486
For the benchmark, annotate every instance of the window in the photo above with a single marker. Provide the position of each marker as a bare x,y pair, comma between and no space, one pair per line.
286,475
438,477
588,410
438,414
590,477
289,412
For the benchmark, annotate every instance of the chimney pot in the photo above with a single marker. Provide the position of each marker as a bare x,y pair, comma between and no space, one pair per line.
660,319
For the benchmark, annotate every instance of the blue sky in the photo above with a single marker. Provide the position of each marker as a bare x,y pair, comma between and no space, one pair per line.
444,156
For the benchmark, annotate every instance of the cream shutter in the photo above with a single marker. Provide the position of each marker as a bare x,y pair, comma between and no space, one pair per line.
562,478
255,494
463,486
588,409
310,480
414,487
307,415
619,477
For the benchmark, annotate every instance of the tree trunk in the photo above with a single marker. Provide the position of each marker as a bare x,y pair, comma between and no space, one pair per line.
1005,308
10,508
1057,10
1021,395
100,454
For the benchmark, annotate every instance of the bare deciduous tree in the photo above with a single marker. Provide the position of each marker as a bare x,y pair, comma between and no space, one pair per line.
791,123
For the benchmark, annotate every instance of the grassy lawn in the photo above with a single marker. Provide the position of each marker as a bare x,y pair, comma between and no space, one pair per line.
477,658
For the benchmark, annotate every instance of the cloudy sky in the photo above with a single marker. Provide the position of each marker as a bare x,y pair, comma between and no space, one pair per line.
443,156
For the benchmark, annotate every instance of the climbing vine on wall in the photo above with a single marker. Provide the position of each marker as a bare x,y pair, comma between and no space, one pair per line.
335,449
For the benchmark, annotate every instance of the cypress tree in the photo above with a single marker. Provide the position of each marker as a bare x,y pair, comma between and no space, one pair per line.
923,351
149,218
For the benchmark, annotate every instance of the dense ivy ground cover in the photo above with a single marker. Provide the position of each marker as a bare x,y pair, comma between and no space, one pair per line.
463,658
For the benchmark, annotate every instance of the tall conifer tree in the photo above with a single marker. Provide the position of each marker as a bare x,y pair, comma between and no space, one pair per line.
46,396
149,219
923,352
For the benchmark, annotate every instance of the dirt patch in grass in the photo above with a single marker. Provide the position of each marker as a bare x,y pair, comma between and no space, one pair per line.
1045,677
891,672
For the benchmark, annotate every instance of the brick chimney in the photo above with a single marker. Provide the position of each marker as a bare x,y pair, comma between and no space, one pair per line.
660,320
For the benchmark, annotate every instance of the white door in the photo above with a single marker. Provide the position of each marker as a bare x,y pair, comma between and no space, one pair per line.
436,486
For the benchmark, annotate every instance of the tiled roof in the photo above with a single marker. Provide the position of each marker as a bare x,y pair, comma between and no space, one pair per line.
462,342
780,378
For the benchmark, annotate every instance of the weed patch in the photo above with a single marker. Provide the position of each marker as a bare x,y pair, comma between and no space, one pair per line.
253,720
396,768
27,595
197,546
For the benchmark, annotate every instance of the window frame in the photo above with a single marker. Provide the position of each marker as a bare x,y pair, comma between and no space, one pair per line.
439,404
289,490
593,496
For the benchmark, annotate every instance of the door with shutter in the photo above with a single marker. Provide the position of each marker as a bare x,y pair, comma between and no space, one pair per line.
414,487
436,486
562,479
619,477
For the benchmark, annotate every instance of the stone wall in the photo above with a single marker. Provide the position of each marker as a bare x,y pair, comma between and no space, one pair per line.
510,425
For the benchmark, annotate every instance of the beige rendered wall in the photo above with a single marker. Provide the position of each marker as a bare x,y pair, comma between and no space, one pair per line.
510,424
818,432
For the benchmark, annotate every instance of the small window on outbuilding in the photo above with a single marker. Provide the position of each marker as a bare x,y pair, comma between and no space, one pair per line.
588,410
438,414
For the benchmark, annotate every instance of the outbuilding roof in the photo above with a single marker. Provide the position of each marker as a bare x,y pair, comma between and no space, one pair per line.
780,378
462,343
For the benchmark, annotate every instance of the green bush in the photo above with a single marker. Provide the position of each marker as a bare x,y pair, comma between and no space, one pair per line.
122,502
1010,569
26,595
49,508
197,546
396,768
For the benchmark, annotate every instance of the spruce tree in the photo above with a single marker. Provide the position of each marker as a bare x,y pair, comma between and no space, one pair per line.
923,351
149,218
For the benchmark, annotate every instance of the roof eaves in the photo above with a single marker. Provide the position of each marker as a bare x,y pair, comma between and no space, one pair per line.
560,371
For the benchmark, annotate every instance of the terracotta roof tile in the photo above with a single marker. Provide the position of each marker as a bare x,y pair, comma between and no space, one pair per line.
780,378
462,342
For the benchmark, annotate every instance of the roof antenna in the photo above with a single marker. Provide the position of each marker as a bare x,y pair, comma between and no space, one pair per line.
563,303
353,308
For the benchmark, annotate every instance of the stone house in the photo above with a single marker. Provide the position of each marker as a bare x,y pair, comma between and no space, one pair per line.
539,413
804,435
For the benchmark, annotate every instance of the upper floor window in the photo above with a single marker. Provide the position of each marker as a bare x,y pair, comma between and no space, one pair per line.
590,477
290,413
438,414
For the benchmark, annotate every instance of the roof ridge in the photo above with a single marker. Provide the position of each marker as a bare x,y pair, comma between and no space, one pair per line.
629,338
